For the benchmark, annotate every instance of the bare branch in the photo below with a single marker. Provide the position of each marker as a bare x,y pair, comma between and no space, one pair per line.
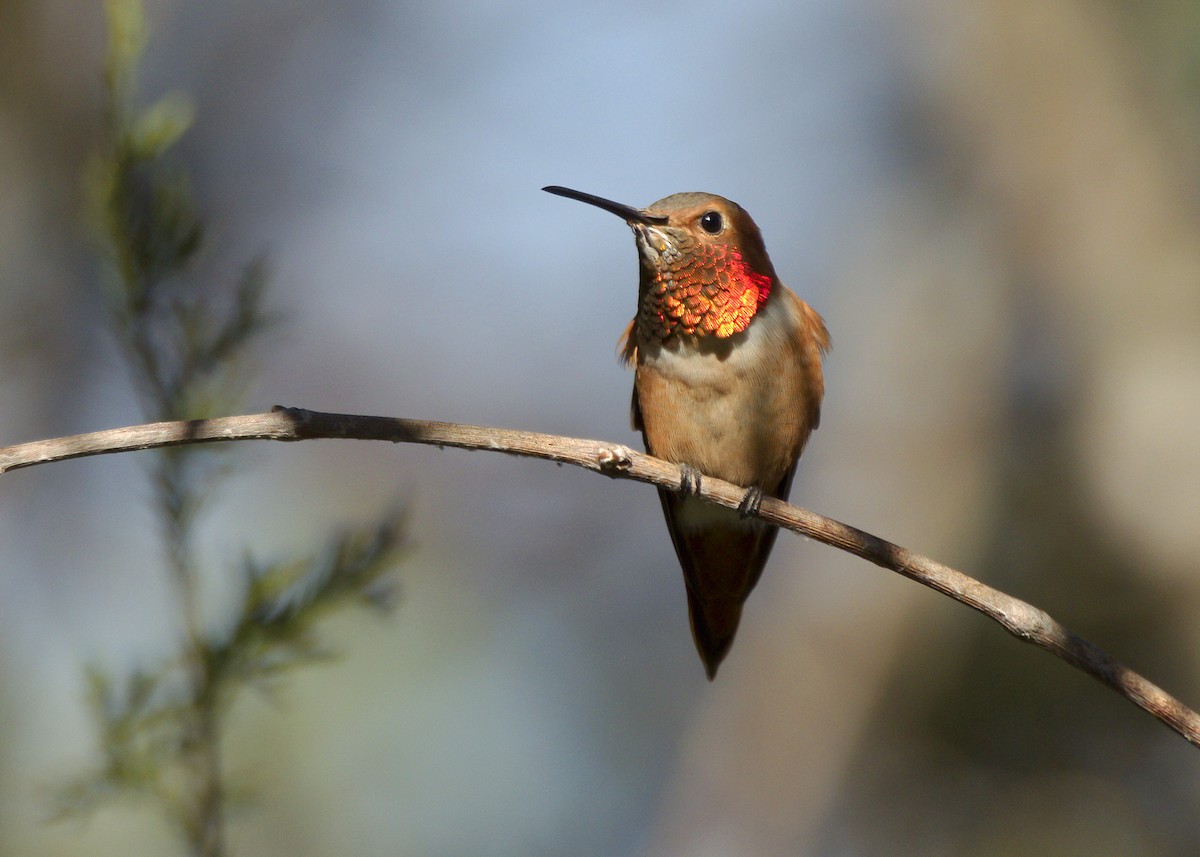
1022,620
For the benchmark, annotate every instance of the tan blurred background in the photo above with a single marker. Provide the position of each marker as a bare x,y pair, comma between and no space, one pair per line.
994,204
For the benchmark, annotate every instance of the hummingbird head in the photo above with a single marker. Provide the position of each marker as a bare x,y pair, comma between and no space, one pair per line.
704,267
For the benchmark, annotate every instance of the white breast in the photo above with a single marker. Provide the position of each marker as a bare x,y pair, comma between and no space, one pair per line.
715,362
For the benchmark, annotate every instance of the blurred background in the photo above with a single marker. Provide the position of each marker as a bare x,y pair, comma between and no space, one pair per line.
993,204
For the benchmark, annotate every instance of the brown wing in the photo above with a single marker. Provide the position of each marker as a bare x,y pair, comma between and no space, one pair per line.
627,351
627,345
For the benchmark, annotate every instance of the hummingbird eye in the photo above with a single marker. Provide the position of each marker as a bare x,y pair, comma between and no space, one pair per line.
711,222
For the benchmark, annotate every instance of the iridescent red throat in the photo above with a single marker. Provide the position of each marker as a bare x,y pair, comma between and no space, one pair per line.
710,291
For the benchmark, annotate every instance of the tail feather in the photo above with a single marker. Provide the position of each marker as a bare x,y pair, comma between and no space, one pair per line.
722,556
714,625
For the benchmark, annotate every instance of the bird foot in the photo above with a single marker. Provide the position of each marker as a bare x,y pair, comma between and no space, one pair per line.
751,502
689,480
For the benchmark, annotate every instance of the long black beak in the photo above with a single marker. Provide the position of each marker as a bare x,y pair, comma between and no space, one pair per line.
626,212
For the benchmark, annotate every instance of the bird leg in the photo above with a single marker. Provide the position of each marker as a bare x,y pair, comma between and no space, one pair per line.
751,502
689,480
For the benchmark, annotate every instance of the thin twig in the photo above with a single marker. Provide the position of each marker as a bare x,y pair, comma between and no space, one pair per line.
1022,620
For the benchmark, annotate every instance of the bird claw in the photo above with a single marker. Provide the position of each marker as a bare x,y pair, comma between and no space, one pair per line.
751,502
689,480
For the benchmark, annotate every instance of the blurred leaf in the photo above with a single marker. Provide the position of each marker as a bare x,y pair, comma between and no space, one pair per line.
284,600
126,25
160,127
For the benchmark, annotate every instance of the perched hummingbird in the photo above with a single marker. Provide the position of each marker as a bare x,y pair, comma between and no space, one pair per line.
727,383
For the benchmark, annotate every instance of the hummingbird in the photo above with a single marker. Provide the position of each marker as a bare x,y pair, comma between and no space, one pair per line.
727,383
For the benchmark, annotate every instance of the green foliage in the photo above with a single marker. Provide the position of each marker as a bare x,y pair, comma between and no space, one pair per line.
186,341
275,629
142,718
